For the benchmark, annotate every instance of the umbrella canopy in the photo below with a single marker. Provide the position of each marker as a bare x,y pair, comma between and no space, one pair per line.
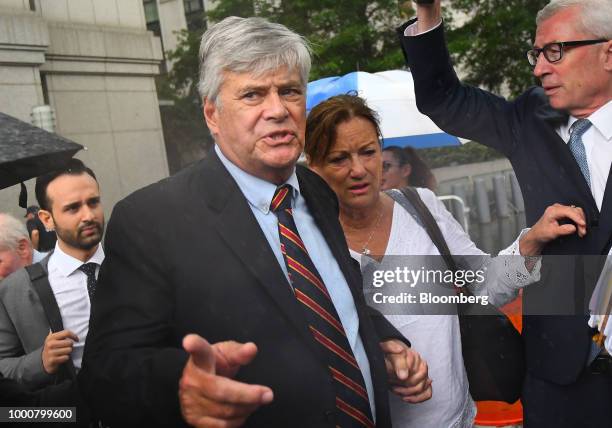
391,94
27,151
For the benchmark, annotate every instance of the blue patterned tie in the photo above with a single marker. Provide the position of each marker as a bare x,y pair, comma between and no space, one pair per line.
577,146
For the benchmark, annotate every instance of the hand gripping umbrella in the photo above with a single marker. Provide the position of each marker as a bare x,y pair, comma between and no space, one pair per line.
391,94
27,152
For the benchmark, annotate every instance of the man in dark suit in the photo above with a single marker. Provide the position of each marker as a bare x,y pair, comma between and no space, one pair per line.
201,253
558,157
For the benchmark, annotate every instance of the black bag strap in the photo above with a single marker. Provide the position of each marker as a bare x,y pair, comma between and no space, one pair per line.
40,283
428,222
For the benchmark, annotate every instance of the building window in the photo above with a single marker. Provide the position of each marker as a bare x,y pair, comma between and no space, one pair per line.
193,6
195,15
150,9
152,16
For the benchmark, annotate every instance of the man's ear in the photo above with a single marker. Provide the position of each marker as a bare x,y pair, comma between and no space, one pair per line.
211,116
47,219
608,56
24,249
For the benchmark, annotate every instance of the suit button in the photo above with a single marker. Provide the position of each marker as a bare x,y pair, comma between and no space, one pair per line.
330,415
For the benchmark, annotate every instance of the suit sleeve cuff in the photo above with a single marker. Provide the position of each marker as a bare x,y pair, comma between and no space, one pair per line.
34,374
411,30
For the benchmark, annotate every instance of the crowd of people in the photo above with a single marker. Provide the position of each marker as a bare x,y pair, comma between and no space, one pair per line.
235,293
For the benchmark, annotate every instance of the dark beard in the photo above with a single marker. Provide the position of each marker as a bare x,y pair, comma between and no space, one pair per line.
75,240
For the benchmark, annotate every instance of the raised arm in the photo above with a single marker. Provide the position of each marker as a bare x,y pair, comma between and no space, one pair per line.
458,109
429,14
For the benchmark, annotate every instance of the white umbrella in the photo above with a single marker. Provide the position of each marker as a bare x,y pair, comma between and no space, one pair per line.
391,94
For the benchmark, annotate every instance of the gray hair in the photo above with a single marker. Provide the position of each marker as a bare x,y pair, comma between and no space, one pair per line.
595,15
11,232
252,45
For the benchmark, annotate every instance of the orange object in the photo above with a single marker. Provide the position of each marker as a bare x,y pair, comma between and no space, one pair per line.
498,413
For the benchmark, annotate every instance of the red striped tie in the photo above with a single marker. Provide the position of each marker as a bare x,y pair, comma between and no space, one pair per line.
352,404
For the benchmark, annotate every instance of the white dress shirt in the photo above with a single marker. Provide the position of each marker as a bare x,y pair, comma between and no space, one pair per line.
597,142
37,256
69,286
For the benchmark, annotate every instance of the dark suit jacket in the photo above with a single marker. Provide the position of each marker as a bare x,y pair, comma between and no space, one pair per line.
186,255
13,393
524,130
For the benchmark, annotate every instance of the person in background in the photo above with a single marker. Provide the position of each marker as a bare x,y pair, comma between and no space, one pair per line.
42,239
404,167
44,310
377,228
557,138
15,246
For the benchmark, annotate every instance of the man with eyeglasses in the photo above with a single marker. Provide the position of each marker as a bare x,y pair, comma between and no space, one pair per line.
558,138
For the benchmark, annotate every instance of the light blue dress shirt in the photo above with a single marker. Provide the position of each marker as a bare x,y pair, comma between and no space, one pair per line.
259,194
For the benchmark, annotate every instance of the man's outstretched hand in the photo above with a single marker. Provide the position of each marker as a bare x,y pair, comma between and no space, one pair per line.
207,394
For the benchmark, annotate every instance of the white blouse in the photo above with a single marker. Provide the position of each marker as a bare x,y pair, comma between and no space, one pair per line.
437,337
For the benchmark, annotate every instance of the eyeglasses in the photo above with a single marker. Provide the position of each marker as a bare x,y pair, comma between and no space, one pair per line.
553,52
387,166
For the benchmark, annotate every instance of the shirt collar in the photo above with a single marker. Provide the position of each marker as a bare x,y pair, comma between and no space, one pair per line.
68,264
258,192
600,120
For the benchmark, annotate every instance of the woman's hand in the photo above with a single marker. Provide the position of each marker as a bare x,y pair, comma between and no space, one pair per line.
551,226
407,371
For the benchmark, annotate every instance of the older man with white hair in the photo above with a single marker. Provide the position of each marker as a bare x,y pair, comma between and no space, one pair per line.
15,247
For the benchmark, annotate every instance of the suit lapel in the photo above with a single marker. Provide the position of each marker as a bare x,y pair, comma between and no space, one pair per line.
325,220
240,230
605,219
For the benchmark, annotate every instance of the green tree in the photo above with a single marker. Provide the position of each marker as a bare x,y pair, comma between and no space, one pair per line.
346,35
490,46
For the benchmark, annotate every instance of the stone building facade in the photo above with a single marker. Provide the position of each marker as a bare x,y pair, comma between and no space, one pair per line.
94,63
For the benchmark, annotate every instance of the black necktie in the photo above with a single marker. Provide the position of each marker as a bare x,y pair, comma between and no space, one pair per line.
352,404
89,269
